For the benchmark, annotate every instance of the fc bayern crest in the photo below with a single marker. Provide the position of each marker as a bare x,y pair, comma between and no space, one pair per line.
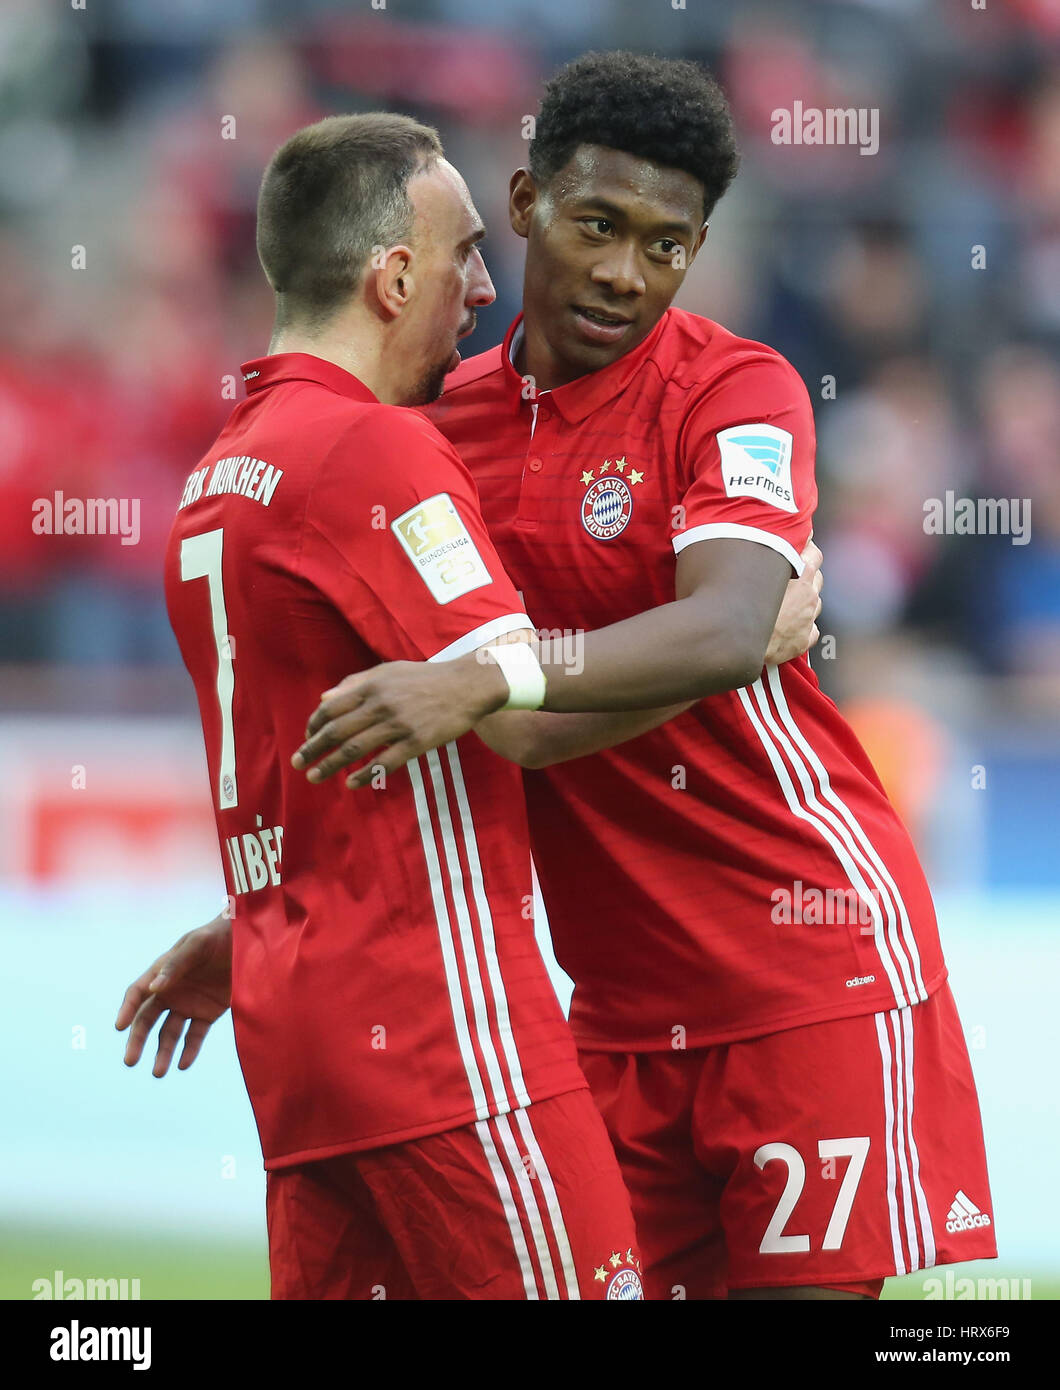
623,1277
625,1284
607,508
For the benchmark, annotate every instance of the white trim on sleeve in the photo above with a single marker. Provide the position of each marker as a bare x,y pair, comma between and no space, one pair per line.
727,530
479,636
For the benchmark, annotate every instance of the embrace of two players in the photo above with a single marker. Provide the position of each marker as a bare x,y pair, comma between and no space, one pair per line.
736,1108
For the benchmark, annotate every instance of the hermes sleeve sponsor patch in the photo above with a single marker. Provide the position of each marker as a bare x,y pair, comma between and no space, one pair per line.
439,546
756,462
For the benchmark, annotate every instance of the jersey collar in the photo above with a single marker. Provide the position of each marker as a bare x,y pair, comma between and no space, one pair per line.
578,399
302,366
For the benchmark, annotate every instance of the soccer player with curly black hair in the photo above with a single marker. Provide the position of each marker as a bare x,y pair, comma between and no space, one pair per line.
761,1002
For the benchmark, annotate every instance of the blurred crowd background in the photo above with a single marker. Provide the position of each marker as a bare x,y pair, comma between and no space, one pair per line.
917,291
858,268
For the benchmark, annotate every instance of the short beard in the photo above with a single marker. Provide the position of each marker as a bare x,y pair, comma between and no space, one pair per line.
430,386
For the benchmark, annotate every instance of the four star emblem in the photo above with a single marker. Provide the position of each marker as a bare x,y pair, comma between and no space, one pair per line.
635,475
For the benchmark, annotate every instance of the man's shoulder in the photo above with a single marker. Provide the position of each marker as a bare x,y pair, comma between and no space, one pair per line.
696,353
351,449
334,423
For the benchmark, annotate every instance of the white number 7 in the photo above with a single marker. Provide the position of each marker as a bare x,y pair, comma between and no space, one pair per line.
200,558
775,1242
857,1150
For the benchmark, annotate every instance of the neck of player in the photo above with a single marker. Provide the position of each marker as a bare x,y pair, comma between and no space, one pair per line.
534,357
356,350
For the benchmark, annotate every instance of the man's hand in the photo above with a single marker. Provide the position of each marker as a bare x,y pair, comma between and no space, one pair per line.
193,981
403,708
796,628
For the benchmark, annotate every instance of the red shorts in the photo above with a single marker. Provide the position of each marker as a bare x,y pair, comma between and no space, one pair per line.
525,1206
833,1155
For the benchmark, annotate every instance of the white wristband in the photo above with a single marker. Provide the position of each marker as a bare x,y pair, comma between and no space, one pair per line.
522,671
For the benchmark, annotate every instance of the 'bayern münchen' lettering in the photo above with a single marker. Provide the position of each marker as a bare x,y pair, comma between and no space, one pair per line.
249,477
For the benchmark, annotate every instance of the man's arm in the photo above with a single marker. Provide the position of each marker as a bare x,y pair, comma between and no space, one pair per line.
535,739
713,637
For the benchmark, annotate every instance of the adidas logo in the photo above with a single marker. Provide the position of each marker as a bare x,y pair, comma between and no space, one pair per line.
964,1215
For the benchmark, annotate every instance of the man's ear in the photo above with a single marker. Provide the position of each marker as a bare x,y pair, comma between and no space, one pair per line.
700,239
522,196
390,279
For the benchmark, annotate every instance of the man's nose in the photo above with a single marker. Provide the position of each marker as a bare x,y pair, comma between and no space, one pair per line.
619,271
480,286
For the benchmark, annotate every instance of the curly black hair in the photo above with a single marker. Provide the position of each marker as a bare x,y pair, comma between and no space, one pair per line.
667,110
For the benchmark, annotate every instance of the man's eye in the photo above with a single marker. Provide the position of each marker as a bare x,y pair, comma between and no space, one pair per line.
666,246
600,225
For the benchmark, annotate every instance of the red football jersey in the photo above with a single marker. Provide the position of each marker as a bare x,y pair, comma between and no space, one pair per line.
739,870
386,980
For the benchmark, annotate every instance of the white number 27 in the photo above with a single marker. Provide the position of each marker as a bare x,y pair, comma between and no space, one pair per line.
200,558
775,1242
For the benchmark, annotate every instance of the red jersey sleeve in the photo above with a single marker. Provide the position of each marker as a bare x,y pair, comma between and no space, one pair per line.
747,455
395,537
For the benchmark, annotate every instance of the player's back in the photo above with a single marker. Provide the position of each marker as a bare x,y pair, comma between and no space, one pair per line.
386,978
